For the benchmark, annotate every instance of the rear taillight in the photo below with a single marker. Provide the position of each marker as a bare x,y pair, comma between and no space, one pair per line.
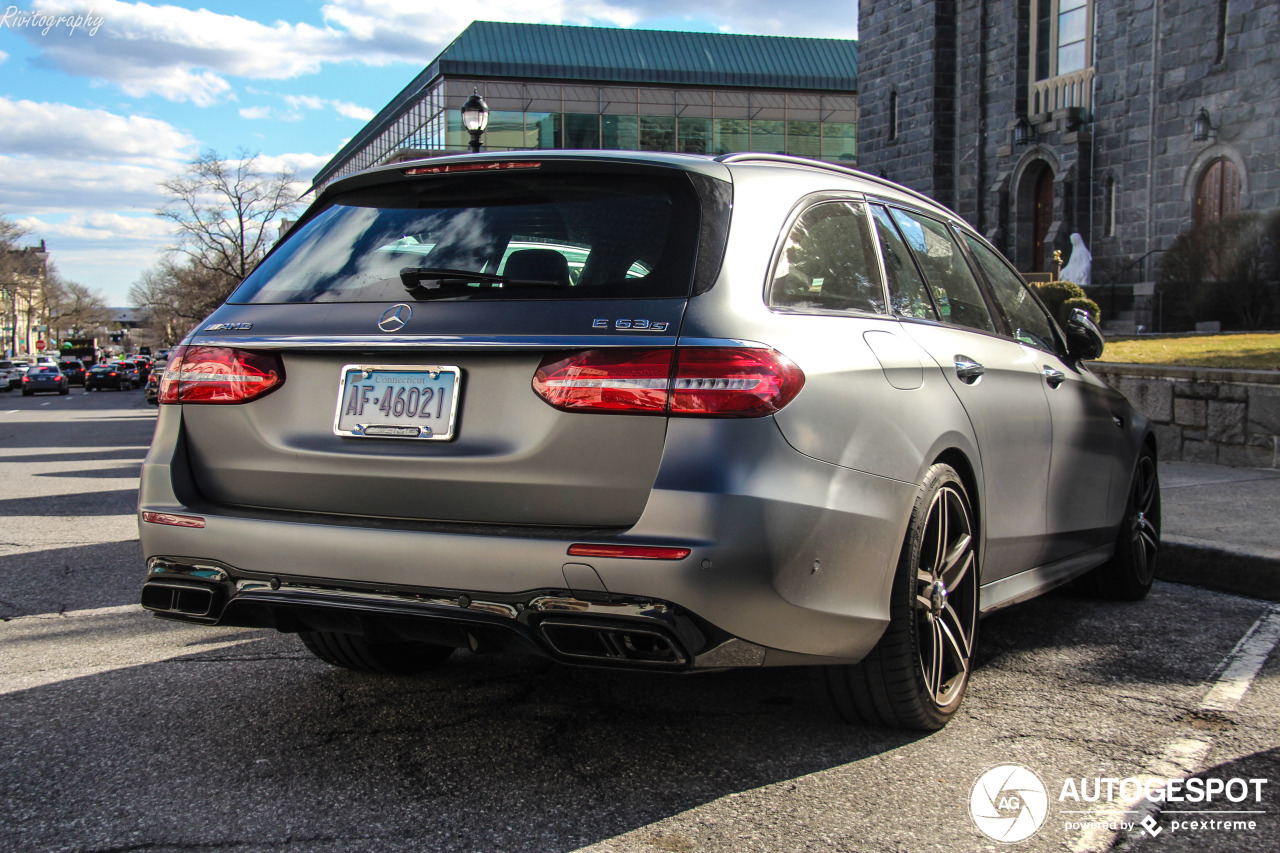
689,381
220,375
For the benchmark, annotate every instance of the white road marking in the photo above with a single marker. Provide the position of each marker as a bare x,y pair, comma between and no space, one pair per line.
1242,665
1184,756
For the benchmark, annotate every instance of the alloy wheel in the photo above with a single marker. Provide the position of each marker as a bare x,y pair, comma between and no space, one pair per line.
946,600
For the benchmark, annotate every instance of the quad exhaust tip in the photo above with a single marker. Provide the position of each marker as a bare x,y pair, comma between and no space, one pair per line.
178,598
620,642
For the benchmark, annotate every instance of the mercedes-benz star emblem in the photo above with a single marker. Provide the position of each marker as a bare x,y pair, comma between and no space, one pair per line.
395,318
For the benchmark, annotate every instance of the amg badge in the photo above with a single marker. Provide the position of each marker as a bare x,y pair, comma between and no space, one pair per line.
229,327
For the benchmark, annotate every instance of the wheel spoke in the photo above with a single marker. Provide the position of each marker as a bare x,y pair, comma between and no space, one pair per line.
938,520
959,558
934,676
952,648
961,638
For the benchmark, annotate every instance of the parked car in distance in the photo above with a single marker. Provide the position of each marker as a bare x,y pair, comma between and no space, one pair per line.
102,376
783,413
44,378
74,371
11,375
152,389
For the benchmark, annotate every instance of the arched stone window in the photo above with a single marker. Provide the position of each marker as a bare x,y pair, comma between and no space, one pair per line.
1218,194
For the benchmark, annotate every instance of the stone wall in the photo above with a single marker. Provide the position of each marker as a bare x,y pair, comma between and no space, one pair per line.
1200,414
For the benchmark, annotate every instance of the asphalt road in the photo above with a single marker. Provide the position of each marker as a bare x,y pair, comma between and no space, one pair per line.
120,732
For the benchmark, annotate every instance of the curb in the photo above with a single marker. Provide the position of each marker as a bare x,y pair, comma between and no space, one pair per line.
1239,571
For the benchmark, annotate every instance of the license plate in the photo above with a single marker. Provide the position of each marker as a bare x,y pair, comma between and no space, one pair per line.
397,401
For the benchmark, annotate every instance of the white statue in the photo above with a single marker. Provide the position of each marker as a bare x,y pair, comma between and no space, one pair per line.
1077,269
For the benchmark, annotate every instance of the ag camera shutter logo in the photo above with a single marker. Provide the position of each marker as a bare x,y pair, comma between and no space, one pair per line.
1008,803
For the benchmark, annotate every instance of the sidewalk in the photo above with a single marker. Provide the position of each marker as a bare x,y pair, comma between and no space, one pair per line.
1221,528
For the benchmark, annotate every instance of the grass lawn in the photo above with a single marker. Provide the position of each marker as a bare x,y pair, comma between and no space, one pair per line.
1250,352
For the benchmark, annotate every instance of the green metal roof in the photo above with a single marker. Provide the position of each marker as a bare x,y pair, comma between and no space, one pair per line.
489,49
595,54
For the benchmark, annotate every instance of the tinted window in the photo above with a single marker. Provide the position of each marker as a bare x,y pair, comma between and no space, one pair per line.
1029,323
548,236
828,263
955,290
906,288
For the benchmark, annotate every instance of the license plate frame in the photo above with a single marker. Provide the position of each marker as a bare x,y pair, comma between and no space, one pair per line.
357,414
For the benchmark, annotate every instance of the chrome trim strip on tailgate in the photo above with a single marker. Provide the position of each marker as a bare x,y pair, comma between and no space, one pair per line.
463,342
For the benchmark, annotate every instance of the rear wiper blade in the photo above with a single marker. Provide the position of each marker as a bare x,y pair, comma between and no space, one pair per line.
439,278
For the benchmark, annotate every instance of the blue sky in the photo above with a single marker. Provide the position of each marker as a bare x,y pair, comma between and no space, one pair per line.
101,100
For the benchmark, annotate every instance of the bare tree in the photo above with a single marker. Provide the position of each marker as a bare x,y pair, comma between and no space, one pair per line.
222,210
72,309
176,294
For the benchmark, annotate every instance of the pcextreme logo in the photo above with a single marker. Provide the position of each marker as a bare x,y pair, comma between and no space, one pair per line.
1008,803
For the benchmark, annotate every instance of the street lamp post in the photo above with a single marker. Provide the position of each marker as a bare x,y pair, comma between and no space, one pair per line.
475,118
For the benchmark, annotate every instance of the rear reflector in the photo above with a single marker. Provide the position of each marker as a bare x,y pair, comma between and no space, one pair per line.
689,381
220,375
171,519
628,552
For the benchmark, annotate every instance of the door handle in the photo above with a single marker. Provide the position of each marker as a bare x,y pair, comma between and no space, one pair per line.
1053,377
968,370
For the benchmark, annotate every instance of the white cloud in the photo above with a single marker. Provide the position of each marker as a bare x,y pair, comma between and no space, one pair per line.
3,56
297,104
60,130
353,110
108,229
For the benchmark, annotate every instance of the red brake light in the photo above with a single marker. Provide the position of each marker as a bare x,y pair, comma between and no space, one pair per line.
621,380
498,166
690,381
733,382
197,374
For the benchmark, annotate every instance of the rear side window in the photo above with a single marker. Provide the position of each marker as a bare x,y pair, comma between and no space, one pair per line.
954,288
538,236
906,288
1029,322
828,263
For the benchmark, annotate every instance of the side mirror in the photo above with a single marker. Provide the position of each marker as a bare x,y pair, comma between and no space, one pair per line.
1084,338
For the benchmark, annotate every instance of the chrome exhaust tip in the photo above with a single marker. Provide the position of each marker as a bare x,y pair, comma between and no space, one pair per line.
179,599
616,643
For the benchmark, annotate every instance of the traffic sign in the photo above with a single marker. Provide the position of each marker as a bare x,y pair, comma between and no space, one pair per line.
39,345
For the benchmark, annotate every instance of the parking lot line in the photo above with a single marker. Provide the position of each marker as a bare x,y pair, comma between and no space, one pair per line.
1182,757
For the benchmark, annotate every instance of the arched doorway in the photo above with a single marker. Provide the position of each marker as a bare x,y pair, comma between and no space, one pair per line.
1033,214
1218,193
1041,219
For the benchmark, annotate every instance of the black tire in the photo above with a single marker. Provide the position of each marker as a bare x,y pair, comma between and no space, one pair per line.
27,393
354,652
65,391
916,675
1128,575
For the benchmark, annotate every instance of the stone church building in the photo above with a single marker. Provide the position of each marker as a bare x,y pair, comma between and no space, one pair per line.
1128,121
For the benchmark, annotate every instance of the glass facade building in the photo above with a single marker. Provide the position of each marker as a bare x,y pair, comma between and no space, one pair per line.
697,93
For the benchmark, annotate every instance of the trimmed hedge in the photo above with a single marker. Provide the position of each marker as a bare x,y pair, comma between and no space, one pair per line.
1062,297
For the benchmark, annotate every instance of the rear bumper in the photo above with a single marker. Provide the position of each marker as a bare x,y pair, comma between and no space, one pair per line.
790,561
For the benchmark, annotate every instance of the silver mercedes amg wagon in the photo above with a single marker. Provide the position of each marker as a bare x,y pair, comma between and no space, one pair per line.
656,411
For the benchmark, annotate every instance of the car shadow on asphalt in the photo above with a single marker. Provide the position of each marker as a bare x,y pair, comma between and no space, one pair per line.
261,745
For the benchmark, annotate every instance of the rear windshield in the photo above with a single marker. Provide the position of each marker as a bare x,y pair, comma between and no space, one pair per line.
537,236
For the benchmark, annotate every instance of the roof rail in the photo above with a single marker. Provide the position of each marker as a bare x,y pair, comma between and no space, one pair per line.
754,157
